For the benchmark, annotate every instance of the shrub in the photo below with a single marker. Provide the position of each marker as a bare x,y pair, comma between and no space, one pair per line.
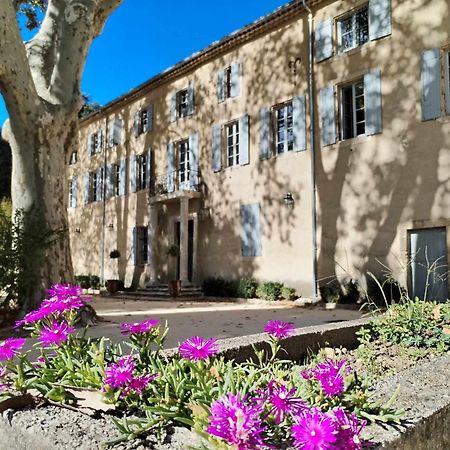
288,293
219,287
269,290
330,293
247,288
88,281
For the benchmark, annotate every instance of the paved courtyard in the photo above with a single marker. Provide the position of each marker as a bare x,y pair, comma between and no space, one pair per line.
208,319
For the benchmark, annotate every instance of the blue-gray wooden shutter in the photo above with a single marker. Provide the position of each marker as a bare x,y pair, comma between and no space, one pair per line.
99,146
216,148
251,230
173,107
170,167
327,117
122,176
299,122
235,79
372,102
110,132
149,126
137,123
89,144
430,79
380,22
193,161
244,145
191,101
133,173
149,167
134,247
74,191
109,181
87,196
118,126
265,133
221,85
99,185
323,42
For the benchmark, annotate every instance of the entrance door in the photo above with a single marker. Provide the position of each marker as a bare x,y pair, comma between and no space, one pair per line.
190,247
429,265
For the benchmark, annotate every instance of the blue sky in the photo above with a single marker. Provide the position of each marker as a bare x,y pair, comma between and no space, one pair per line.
141,41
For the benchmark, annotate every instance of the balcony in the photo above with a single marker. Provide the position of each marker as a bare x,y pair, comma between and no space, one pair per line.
175,184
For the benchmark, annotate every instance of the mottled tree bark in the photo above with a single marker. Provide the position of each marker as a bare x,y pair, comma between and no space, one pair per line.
40,83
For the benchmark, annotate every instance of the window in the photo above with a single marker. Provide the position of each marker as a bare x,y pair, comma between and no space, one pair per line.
115,132
184,167
250,230
143,120
284,132
142,171
73,158
353,110
232,135
353,30
182,103
73,192
227,82
141,245
116,179
95,142
96,186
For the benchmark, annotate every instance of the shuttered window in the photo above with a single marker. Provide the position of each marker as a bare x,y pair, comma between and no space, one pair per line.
116,173
352,110
182,103
183,161
73,193
143,120
232,137
353,30
284,130
142,171
228,82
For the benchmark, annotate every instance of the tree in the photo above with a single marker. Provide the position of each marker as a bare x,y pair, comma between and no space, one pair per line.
40,84
5,170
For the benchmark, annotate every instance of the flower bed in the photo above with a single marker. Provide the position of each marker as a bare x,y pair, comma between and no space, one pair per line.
267,402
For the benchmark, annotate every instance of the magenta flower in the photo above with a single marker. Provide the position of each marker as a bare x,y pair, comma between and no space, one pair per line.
139,328
349,430
329,374
314,430
64,291
281,401
55,334
279,329
138,384
10,347
237,423
119,375
35,316
196,348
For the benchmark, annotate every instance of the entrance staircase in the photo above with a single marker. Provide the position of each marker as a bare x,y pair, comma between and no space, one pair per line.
161,292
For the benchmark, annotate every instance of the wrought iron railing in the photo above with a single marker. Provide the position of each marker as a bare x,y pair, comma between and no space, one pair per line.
174,181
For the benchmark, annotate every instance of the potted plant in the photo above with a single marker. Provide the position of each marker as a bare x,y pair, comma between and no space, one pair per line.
331,295
174,286
113,285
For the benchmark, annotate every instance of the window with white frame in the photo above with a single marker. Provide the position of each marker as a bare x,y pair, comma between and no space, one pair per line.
182,103
73,192
227,82
116,179
284,131
96,185
353,120
141,245
232,136
184,167
353,30
142,171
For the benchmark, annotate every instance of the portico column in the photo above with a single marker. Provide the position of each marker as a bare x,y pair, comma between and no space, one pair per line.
152,242
184,216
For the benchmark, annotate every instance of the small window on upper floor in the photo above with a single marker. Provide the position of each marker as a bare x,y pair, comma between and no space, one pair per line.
73,158
182,103
284,129
353,116
143,120
228,82
95,142
353,30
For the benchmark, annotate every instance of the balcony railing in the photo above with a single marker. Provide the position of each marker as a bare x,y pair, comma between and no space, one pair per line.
175,181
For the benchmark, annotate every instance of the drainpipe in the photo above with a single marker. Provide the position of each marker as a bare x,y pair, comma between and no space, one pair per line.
313,143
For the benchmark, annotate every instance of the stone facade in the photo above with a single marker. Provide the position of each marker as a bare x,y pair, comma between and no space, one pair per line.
214,154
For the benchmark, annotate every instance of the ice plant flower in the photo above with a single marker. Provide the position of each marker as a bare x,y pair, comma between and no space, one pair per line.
237,423
281,401
138,384
119,375
196,348
64,290
139,328
55,334
314,430
349,430
10,347
279,329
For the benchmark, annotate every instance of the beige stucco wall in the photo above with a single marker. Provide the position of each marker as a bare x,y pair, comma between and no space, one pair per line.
371,189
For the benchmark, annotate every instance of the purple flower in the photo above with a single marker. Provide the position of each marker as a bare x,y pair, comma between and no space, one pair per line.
281,400
120,374
329,374
139,328
314,430
10,347
196,348
279,329
349,430
237,423
55,334
64,291
138,384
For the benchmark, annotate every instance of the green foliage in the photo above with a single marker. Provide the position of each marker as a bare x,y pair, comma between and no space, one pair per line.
247,288
23,243
330,293
269,290
414,323
219,287
88,281
288,293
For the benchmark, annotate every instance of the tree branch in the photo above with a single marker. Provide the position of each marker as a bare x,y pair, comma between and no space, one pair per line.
104,10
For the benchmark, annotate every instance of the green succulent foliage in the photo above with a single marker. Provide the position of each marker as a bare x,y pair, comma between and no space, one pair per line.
270,291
